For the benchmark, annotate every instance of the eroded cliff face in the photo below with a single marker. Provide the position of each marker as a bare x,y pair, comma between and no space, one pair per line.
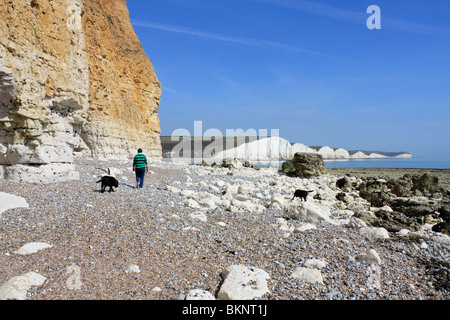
73,79
124,91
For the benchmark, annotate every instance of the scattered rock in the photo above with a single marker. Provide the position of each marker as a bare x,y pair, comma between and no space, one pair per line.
305,227
173,189
356,223
427,184
370,256
371,186
190,229
374,276
394,221
191,203
246,188
234,163
307,275
32,247
380,199
243,283
278,199
73,281
132,269
288,168
315,264
305,211
10,201
344,184
443,227
199,216
199,294
16,288
308,165
374,233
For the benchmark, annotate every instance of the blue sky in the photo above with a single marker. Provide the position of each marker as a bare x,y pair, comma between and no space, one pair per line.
311,69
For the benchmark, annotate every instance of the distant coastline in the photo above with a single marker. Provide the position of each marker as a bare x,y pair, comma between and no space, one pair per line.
260,149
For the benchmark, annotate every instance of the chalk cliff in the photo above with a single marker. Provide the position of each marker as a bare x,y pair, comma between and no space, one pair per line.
74,79
276,149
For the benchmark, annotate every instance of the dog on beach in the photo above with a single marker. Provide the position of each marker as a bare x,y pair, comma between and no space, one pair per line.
302,194
108,181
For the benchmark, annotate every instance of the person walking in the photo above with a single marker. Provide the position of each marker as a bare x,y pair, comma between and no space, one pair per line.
140,168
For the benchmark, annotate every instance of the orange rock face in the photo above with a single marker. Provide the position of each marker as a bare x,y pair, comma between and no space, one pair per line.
124,91
74,79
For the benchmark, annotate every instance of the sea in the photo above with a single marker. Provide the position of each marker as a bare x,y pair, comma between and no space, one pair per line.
403,163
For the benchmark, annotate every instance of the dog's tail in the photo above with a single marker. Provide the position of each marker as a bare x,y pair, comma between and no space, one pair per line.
99,181
108,171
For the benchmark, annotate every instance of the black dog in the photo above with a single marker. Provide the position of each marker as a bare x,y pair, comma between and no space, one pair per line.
108,181
302,194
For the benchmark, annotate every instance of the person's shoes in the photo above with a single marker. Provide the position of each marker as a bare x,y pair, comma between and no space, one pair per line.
137,185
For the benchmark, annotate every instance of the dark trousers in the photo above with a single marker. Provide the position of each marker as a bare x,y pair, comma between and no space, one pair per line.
140,174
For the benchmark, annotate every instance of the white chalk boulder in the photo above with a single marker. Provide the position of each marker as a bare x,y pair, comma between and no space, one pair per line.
32,247
306,211
243,283
307,275
16,288
199,294
10,201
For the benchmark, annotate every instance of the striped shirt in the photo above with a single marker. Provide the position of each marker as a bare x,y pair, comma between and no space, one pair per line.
139,161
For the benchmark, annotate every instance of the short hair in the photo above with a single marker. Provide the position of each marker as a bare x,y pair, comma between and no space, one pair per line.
139,150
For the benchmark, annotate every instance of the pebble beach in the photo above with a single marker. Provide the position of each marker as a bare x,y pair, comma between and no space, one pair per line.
157,243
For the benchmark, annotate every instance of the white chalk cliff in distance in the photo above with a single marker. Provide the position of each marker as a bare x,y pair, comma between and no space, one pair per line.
276,148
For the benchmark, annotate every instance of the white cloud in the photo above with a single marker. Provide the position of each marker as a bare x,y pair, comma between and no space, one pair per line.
225,38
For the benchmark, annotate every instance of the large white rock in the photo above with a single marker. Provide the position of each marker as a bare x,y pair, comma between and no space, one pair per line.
245,206
173,189
10,201
199,216
187,193
278,199
370,256
430,236
307,275
32,247
191,203
46,173
306,211
356,223
133,268
315,263
283,225
207,202
305,227
199,294
243,283
16,288
246,188
230,189
374,233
